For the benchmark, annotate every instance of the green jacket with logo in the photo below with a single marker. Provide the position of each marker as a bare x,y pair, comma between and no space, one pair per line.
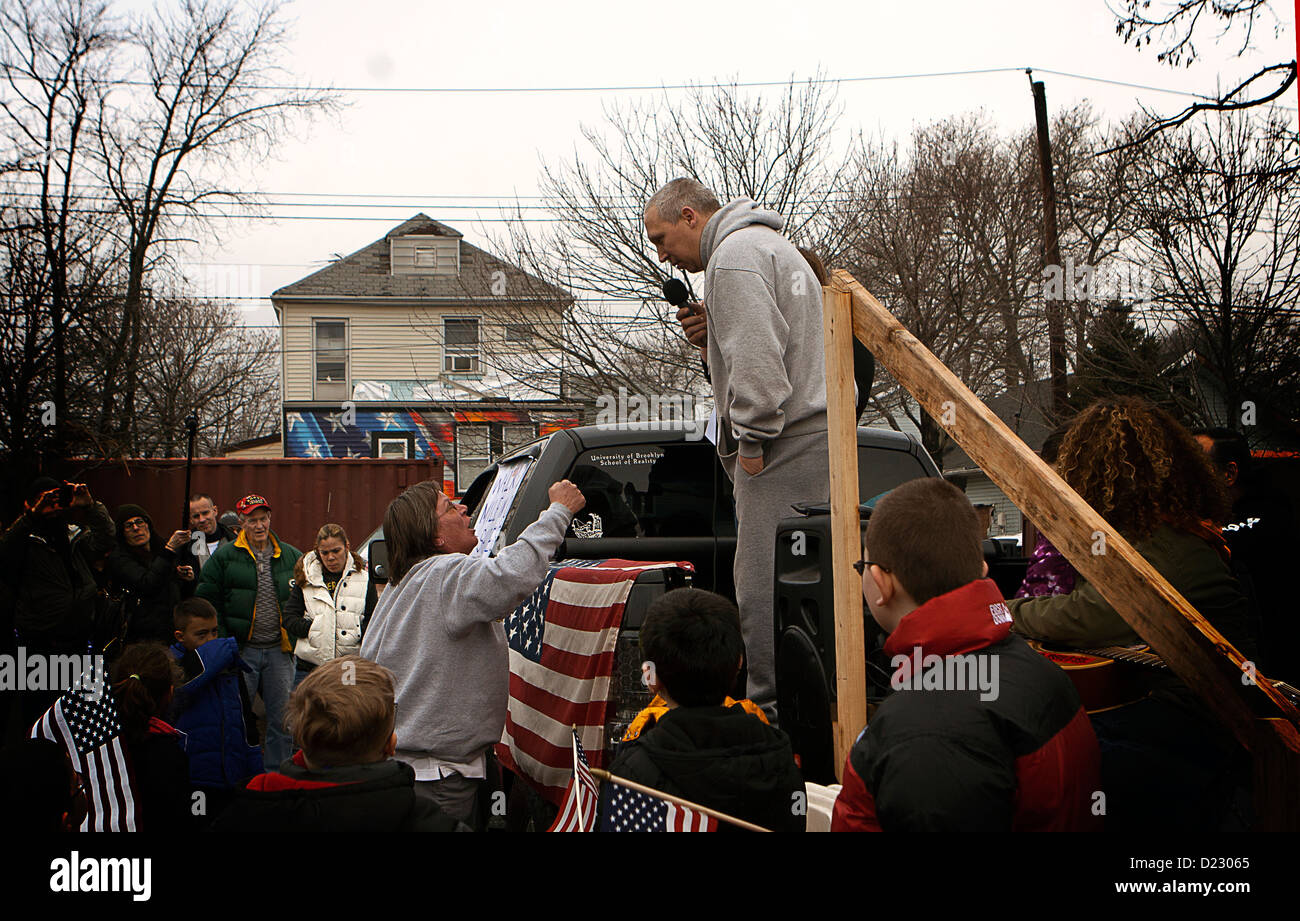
229,581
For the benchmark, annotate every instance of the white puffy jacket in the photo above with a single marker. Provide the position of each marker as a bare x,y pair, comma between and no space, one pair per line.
335,619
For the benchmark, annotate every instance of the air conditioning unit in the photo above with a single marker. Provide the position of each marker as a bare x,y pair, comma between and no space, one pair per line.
462,363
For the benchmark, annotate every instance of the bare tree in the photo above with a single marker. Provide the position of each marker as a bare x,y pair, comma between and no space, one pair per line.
112,132
1219,225
617,330
946,233
209,99
1175,28
52,57
26,345
198,356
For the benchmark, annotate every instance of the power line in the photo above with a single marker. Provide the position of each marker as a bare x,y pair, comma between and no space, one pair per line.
664,87
807,210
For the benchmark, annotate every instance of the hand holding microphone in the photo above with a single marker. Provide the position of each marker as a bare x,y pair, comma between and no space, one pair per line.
694,326
690,314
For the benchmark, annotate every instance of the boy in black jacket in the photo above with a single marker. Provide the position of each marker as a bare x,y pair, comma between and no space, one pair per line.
717,756
343,779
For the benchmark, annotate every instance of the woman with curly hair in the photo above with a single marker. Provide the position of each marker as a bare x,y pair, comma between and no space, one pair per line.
1146,475
1164,759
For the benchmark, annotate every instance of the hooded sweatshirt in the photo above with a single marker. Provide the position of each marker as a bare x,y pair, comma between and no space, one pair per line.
721,757
376,797
764,310
439,631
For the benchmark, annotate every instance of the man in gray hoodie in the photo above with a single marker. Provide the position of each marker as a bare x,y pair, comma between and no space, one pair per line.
762,316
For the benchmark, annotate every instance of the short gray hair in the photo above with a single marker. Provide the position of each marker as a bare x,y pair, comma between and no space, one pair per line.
683,193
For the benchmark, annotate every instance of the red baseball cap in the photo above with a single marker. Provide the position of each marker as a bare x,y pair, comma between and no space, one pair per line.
248,504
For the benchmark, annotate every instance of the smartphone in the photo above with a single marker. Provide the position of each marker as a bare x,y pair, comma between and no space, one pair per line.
65,495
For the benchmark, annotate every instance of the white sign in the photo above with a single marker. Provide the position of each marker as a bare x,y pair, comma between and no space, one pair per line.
498,502
711,427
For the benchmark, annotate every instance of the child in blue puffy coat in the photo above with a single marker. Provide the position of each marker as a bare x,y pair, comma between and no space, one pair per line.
212,707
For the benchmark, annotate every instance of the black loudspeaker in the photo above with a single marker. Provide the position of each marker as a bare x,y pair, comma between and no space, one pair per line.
804,624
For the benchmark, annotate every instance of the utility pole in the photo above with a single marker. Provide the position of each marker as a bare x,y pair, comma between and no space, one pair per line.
1051,257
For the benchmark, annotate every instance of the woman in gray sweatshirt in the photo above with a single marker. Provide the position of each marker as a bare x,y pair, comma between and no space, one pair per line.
438,628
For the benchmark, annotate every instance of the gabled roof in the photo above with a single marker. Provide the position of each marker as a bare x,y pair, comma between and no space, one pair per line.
1021,408
367,273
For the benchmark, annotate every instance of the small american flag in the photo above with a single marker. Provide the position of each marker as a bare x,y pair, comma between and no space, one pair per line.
579,810
561,661
84,721
630,810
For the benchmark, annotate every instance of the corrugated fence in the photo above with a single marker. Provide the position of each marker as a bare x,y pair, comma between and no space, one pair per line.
304,494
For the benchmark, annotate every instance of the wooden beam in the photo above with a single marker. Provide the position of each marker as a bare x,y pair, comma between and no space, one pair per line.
846,540
1161,616
1276,784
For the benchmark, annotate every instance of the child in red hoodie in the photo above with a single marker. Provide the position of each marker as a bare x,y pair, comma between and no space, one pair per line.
981,733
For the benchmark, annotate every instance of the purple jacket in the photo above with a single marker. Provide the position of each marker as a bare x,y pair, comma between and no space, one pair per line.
1049,573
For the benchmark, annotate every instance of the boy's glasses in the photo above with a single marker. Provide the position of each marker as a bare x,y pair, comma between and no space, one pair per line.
861,565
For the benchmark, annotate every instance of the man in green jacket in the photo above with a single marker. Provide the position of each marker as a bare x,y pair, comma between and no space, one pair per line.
248,583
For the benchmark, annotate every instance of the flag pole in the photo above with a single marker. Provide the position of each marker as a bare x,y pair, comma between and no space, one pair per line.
582,824
659,794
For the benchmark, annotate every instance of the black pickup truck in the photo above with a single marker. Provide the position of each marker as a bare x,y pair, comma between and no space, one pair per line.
660,494
655,494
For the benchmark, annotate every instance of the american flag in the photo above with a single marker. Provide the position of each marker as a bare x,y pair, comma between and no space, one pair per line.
579,810
631,810
84,721
561,660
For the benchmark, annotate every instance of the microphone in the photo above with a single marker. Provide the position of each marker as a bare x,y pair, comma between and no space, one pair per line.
676,292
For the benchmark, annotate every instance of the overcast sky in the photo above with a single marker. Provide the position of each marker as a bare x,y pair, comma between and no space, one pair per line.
418,151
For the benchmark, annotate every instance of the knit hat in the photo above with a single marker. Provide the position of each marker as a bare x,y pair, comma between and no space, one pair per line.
124,514
41,484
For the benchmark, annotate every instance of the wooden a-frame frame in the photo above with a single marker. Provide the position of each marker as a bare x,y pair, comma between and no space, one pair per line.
1257,714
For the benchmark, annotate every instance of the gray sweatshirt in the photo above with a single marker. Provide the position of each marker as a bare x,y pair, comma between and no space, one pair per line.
764,309
439,631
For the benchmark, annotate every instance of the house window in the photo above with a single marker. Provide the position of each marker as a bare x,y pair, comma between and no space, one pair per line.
392,444
479,445
424,254
460,346
393,447
520,332
473,453
331,358
516,436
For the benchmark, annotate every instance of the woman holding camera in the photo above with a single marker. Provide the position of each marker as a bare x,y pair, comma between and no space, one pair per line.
144,568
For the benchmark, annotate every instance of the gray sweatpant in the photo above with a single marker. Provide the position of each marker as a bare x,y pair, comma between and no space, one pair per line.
796,470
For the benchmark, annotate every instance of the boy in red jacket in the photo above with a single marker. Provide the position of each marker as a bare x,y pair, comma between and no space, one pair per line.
981,733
